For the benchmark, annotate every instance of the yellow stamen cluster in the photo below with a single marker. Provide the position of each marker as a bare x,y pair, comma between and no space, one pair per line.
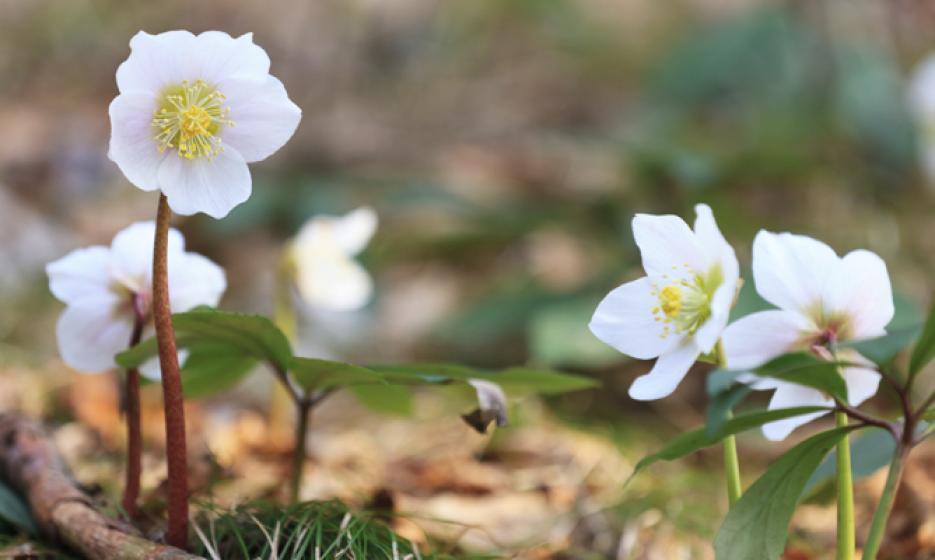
188,119
684,304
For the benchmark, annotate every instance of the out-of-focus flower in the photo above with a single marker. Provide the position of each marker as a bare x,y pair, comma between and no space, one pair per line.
679,309
921,98
491,406
192,111
322,254
823,300
105,288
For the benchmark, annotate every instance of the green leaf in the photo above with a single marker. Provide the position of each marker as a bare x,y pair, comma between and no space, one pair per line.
870,451
883,349
720,380
700,438
15,512
313,374
387,399
721,406
212,368
518,378
805,369
924,350
252,335
756,527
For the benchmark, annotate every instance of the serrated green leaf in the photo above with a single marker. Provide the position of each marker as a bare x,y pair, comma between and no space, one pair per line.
15,512
924,349
212,368
387,399
805,369
313,374
756,527
251,335
700,438
518,378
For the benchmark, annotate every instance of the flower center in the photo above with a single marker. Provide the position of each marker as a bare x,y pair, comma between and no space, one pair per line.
188,119
683,305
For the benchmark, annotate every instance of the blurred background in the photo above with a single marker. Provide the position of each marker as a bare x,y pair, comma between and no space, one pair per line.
505,145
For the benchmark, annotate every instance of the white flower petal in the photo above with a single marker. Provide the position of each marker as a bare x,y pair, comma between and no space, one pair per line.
666,374
491,399
755,339
790,270
152,370
715,246
862,383
89,336
264,117
156,61
194,280
353,231
334,282
921,91
624,320
667,246
82,276
132,254
213,186
712,329
860,289
132,144
218,57
789,395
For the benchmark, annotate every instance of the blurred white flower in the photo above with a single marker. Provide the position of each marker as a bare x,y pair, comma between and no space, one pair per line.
192,111
823,299
921,98
103,287
327,276
679,309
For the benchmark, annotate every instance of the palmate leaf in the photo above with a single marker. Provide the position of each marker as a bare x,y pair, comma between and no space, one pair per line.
924,350
756,526
520,379
871,450
700,438
213,367
802,368
313,374
251,335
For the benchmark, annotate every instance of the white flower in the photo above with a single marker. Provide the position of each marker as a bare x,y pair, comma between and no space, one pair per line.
678,311
327,276
101,285
193,110
921,97
822,299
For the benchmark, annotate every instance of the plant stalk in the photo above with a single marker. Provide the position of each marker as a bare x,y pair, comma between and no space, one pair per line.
845,487
131,400
882,513
173,401
303,411
731,460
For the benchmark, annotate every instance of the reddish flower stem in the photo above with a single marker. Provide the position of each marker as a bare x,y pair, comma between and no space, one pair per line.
177,530
131,489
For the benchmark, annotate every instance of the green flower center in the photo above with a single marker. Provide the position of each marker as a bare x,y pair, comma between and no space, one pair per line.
683,305
188,119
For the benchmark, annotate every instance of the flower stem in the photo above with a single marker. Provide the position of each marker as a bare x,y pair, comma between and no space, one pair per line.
845,485
131,400
303,411
173,402
731,460
881,515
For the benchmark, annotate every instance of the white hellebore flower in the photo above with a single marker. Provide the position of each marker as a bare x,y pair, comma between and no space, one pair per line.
921,97
823,299
327,276
103,286
679,309
192,111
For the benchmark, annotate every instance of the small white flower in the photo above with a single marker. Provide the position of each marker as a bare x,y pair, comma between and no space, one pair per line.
921,97
193,110
822,299
327,276
679,309
101,285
